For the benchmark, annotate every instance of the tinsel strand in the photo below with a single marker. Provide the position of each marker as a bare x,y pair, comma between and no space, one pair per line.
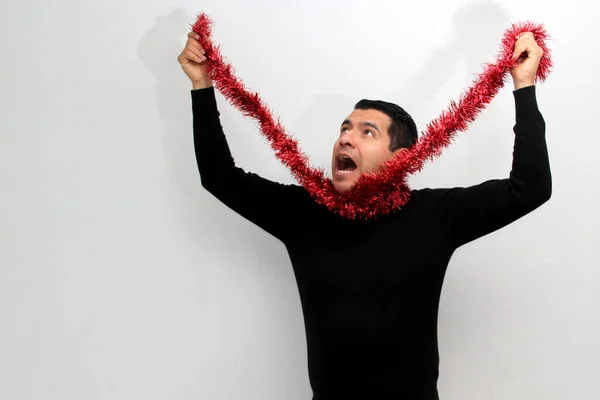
385,191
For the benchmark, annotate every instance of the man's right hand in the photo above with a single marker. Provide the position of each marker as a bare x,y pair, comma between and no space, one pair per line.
191,59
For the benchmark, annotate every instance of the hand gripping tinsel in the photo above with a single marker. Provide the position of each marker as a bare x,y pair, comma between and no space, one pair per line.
387,190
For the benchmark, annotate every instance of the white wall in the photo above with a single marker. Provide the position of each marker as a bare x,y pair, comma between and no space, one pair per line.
120,278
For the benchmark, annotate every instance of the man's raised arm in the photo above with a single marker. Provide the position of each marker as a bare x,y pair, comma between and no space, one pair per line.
273,206
475,211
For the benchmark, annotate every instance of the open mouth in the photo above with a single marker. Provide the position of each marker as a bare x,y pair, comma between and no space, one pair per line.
345,164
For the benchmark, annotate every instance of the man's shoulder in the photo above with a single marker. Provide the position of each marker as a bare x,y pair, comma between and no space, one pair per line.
429,194
427,200
299,194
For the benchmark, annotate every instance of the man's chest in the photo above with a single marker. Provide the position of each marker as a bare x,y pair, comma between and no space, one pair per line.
368,258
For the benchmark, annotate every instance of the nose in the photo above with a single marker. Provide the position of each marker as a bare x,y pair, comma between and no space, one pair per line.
348,139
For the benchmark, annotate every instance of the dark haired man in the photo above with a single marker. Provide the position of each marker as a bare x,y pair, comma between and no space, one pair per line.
375,131
370,289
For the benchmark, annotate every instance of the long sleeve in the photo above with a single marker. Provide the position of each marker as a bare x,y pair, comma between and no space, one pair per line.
268,204
475,211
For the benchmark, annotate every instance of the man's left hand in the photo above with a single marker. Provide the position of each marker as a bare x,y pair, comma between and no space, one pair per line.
529,55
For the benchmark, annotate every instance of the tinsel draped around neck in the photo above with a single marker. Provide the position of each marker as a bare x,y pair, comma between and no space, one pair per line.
385,191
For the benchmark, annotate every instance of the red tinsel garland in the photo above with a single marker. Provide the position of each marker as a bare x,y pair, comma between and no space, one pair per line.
385,191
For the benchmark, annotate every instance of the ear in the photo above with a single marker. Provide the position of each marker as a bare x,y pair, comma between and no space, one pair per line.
400,150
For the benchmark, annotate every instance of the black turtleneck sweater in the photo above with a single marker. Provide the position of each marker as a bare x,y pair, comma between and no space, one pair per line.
370,289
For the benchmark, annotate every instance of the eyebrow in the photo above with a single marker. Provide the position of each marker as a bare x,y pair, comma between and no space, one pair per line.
366,123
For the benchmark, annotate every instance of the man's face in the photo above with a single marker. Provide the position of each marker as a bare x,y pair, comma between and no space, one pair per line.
362,146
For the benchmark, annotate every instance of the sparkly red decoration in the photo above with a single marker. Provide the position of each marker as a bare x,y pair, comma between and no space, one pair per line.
385,191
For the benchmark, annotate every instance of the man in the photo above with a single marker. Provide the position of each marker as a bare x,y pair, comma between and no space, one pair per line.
370,289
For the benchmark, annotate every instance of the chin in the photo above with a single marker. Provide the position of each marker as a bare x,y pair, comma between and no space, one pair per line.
344,185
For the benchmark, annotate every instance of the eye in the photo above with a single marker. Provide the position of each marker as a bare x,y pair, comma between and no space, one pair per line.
344,129
368,131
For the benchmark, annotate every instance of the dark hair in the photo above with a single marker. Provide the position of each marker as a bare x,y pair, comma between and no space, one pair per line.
402,130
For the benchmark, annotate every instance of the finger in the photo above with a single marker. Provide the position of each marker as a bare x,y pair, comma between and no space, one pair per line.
528,39
527,35
517,51
193,38
193,34
195,44
523,45
193,55
528,46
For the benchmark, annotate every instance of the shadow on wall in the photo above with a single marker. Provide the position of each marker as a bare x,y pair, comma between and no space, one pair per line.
158,51
217,235
476,30
475,37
